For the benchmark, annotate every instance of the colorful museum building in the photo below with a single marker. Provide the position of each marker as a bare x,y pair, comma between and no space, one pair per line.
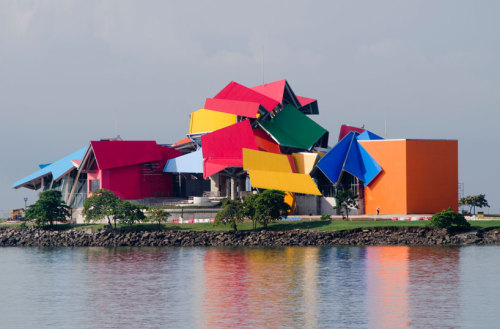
245,140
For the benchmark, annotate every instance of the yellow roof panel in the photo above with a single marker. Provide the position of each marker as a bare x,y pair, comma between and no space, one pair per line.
305,162
203,121
260,160
289,182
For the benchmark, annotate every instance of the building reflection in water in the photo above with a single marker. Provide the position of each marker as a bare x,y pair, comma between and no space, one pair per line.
434,283
299,287
341,286
387,276
166,290
270,288
407,286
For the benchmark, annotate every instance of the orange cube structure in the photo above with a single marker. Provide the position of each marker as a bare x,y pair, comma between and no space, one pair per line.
418,176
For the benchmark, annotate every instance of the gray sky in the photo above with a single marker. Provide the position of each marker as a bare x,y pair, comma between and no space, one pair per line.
69,68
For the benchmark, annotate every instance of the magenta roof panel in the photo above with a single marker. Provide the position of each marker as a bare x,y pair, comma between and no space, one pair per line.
213,166
244,109
114,154
274,90
236,92
305,100
346,129
223,148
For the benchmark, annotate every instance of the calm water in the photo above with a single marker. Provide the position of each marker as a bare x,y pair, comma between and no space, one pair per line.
372,287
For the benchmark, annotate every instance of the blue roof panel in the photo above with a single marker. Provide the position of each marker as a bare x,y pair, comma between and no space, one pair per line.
367,135
372,168
187,163
57,169
354,163
332,163
350,156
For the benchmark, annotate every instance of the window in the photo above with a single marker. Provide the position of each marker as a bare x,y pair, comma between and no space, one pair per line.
95,185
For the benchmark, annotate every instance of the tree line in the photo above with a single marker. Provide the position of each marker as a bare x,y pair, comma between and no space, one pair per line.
262,208
103,204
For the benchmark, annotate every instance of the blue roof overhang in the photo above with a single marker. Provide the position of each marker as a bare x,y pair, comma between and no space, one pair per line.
56,169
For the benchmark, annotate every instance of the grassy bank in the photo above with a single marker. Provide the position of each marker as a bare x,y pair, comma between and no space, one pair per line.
323,225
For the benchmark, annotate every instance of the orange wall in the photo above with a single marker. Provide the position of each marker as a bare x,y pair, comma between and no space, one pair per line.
432,175
388,189
418,176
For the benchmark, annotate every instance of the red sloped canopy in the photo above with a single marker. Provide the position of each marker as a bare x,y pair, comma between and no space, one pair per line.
168,153
305,100
115,154
265,142
346,129
275,89
236,92
244,109
213,166
223,148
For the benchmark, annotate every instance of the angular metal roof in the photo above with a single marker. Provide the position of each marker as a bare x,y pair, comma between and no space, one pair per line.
204,120
110,154
289,182
56,169
117,153
346,129
308,105
276,171
260,160
236,92
265,142
368,135
223,148
242,108
292,128
348,155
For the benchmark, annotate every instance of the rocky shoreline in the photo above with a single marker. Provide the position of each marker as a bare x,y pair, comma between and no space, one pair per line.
406,236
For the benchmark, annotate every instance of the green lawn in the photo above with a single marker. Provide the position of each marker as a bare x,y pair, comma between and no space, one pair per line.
323,225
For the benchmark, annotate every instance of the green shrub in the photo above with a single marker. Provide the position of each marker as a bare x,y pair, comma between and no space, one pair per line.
325,217
449,220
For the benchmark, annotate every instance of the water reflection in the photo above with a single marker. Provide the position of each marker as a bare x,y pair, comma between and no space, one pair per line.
434,281
261,287
345,287
152,287
342,288
387,276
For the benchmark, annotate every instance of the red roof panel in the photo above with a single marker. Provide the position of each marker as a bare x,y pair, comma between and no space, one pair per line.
305,100
236,92
168,153
265,142
244,109
275,90
213,166
223,147
114,154
345,129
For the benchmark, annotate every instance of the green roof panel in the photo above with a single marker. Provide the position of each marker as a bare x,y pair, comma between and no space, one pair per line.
292,128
